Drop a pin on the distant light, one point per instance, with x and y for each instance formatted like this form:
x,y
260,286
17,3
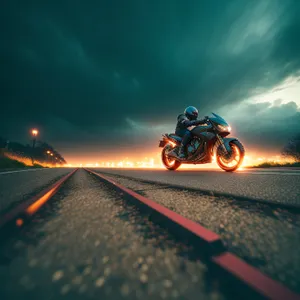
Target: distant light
x,y
34,132
19,222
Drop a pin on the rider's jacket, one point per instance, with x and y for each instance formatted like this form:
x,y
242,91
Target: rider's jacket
x,y
183,122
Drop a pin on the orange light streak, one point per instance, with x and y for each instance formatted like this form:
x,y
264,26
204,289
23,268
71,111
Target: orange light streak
x,y
40,202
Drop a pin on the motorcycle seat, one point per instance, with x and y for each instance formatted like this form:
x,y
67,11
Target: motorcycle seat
x,y
175,137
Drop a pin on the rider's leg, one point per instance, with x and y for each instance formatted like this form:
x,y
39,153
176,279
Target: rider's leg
x,y
183,147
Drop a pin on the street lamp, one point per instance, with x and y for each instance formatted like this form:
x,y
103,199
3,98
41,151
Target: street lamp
x,y
52,159
49,156
34,133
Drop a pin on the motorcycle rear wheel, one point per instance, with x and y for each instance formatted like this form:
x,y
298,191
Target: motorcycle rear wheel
x,y
236,159
169,163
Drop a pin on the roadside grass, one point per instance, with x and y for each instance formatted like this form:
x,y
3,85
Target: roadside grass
x,y
8,163
275,165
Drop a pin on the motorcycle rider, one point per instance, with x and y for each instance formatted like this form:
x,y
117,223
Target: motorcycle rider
x,y
184,121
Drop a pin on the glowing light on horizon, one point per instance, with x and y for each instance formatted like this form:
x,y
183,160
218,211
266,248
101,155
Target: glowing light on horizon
x,y
154,161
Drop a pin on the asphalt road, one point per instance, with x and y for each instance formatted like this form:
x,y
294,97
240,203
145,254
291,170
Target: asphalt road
x,y
87,244
280,186
264,236
18,185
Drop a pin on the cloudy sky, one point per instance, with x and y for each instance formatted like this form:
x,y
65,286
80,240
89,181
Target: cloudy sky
x,y
99,77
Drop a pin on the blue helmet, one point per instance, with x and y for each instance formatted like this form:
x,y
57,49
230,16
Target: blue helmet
x,y
191,112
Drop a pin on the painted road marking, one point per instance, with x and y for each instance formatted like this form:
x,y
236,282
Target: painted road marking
x,y
19,171
30,206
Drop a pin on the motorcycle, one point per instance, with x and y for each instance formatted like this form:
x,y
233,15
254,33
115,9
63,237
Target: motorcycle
x,y
209,140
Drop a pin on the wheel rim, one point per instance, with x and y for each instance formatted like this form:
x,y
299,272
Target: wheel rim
x,y
169,162
234,160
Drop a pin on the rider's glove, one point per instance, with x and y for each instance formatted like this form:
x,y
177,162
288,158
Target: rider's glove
x,y
200,122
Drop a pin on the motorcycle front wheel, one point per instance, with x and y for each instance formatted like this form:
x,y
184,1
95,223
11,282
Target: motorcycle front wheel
x,y
169,163
235,160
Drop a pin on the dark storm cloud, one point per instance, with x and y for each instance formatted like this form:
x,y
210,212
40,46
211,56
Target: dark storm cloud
x,y
110,69
265,126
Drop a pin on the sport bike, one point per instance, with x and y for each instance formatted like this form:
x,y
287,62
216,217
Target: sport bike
x,y
209,140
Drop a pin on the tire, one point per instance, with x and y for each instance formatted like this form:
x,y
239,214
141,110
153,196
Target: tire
x,y
233,144
170,165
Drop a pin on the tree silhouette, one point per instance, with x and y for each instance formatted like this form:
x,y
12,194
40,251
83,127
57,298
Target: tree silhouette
x,y
292,148
39,153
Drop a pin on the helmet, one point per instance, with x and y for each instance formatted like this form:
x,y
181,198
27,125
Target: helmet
x,y
191,113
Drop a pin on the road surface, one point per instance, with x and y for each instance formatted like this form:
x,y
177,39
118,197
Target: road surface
x,y
86,243
18,185
267,237
280,186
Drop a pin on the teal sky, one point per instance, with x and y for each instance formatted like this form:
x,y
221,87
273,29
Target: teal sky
x,y
103,76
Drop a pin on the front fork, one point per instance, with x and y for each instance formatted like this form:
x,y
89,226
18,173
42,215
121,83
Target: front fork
x,y
226,148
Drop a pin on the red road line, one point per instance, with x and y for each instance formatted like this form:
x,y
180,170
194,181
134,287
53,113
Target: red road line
x,y
245,273
205,235
253,277
31,205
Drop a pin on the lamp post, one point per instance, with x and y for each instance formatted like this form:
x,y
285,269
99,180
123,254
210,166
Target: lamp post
x,y
34,133
51,158
48,156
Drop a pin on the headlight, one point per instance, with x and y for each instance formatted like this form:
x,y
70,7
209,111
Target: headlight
x,y
224,128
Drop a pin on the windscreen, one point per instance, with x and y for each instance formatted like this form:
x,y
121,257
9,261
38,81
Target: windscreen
x,y
218,120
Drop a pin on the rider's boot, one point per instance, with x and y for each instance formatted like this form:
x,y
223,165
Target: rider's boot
x,y
183,147
182,152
